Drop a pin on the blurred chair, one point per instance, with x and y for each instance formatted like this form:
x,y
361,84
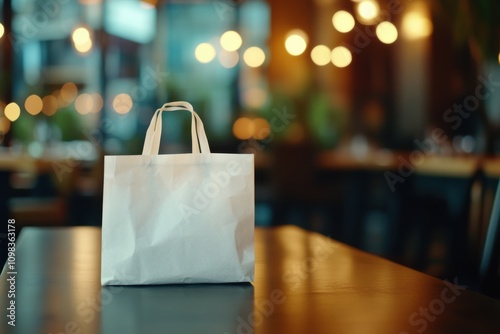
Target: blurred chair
x,y
475,208
489,270
482,258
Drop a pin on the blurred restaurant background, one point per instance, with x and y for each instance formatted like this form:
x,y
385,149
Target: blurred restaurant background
x,y
375,122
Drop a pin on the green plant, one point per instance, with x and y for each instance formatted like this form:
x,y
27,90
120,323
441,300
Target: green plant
x,y
476,23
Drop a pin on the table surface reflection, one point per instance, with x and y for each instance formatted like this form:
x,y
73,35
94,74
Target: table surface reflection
x,y
305,283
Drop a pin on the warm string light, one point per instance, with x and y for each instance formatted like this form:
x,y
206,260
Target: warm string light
x,y
228,59
4,125
245,128
204,53
416,23
387,32
321,55
12,111
89,103
228,56
50,104
367,11
341,56
254,56
343,21
122,103
33,104
296,42
82,40
231,41
69,91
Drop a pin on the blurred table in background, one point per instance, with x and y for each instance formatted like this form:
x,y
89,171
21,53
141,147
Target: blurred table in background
x,y
428,164
47,158
39,182
383,201
382,160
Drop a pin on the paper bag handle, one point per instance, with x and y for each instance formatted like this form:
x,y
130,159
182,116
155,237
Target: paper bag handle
x,y
153,134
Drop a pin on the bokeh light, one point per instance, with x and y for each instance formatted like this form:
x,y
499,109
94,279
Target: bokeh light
x,y
321,55
228,59
84,47
296,42
368,11
69,91
387,32
261,128
254,56
341,56
12,111
122,103
33,104
60,102
84,104
243,128
2,30
82,40
231,40
80,35
4,125
98,103
50,105
416,24
204,53
254,97
343,21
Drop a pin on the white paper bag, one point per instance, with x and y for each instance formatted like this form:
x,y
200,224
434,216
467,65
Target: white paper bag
x,y
178,218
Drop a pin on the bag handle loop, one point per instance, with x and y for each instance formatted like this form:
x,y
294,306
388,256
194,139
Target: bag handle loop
x,y
153,134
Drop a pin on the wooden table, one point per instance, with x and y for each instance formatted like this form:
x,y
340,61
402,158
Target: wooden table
x,y
305,283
